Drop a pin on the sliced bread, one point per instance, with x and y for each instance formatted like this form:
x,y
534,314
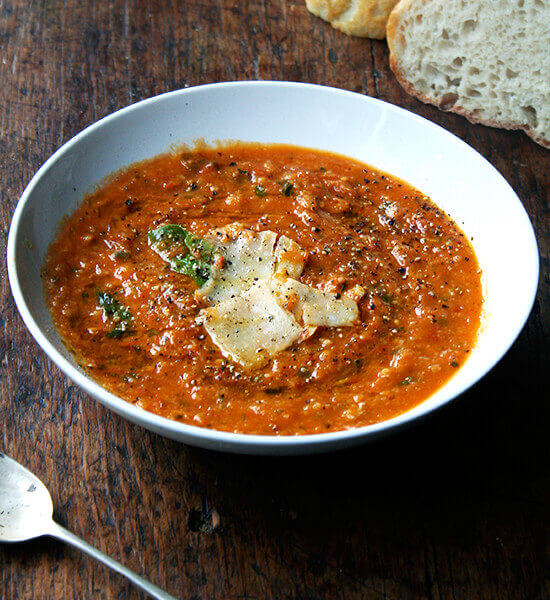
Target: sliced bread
x,y
488,60
363,18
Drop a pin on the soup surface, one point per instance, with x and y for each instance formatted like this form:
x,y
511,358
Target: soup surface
x,y
131,315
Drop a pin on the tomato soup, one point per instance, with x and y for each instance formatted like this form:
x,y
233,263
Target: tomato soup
x,y
363,243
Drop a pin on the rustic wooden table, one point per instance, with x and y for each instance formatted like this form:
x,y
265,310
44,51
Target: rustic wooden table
x,y
456,508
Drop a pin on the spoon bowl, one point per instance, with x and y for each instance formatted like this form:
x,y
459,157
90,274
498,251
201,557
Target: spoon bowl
x,y
25,504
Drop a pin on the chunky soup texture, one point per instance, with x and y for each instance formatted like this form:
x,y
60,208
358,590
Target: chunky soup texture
x,y
131,321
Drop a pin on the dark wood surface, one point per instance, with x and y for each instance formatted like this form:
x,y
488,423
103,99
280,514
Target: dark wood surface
x,y
456,508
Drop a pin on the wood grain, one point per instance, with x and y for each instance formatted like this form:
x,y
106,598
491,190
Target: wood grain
x,y
456,508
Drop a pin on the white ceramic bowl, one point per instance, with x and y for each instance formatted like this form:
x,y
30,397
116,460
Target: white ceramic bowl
x,y
456,177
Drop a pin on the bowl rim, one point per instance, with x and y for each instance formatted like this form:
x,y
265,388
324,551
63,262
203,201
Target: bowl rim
x,y
213,438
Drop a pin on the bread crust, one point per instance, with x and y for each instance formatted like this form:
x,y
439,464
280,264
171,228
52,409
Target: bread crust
x,y
361,18
392,27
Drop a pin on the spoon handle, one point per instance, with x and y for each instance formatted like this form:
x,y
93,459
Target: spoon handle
x,y
63,534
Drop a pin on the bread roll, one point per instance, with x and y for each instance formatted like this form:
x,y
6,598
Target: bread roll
x,y
363,18
486,60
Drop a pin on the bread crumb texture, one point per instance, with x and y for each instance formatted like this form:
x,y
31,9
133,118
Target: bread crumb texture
x,y
363,18
488,61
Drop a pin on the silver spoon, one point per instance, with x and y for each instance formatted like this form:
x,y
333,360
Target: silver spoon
x,y
26,511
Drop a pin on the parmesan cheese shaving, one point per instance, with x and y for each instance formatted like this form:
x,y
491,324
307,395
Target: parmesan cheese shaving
x,y
252,327
312,306
290,258
258,306
249,257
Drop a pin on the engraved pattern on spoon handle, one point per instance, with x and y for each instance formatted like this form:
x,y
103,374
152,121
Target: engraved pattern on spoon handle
x,y
63,534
